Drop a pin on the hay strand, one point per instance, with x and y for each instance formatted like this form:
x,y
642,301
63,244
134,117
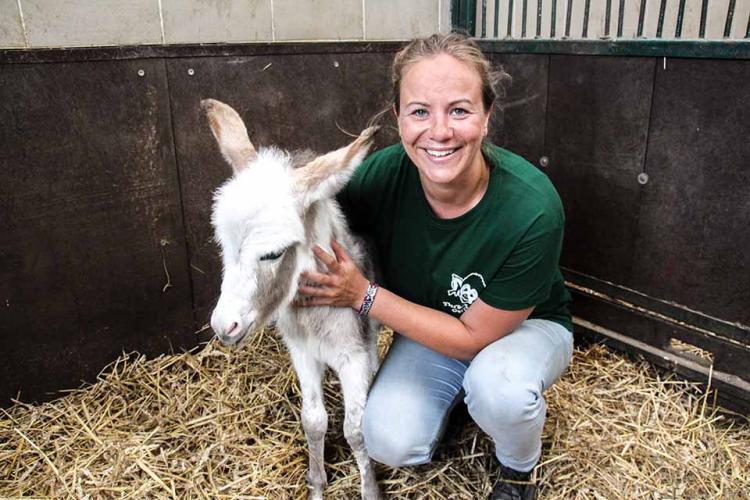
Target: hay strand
x,y
223,423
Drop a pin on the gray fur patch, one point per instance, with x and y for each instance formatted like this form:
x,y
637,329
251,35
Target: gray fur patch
x,y
273,286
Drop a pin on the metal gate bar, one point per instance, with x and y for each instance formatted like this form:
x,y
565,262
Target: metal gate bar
x,y
580,16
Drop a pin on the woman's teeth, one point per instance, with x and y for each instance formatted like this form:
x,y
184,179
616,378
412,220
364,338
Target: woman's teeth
x,y
439,154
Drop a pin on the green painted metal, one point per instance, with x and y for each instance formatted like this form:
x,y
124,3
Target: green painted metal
x,y
608,18
484,18
464,16
497,16
680,18
646,48
553,21
539,7
586,12
662,10
704,14
641,17
730,16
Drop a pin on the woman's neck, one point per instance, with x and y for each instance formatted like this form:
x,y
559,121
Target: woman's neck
x,y
449,201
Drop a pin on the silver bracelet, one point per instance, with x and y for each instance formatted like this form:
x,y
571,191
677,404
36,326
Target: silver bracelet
x,y
372,290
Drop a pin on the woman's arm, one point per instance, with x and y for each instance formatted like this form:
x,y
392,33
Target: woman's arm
x,y
462,338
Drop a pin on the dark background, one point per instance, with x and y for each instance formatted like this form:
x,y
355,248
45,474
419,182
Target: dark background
x,y
106,181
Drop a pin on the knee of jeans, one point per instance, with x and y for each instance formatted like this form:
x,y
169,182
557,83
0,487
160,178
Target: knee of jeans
x,y
395,440
494,396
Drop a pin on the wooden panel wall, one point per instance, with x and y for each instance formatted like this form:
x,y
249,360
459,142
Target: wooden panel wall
x,y
107,181
597,127
291,101
101,161
91,222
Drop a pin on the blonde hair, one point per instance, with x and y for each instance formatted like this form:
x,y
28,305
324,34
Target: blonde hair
x,y
463,48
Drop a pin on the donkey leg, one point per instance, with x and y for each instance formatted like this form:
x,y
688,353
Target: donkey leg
x,y
355,375
314,417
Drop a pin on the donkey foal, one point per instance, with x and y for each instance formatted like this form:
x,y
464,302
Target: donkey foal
x,y
267,218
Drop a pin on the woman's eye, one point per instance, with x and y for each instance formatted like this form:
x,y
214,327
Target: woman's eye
x,y
459,112
419,113
273,255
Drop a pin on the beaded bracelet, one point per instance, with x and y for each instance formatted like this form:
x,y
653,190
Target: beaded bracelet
x,y
372,290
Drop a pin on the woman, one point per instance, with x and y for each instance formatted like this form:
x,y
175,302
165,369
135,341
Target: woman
x,y
468,236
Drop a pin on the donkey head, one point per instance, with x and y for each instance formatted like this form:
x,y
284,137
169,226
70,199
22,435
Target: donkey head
x,y
258,218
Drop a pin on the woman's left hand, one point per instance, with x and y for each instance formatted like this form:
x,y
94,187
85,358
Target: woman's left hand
x,y
343,285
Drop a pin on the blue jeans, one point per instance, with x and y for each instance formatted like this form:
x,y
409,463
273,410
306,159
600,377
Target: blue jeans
x,y
416,388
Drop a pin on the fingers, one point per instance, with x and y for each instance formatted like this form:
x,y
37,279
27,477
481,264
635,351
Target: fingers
x,y
320,291
331,288
339,252
314,291
319,278
326,258
332,261
314,302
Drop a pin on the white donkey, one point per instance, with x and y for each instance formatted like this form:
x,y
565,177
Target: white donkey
x,y
267,218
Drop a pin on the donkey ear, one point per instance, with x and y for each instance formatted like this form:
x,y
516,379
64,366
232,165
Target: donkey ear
x,y
230,134
326,175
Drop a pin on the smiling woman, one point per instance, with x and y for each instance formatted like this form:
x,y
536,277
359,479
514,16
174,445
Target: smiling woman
x,y
468,236
442,123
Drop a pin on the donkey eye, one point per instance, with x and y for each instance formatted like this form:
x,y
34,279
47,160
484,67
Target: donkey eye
x,y
273,255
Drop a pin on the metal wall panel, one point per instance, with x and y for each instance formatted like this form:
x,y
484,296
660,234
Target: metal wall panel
x,y
291,101
90,222
694,241
597,124
519,118
90,188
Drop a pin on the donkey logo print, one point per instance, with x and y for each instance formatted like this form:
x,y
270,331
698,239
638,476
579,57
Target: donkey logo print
x,y
466,289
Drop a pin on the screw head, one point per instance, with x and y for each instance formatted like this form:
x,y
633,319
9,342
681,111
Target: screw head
x,y
335,64
642,178
544,162
191,71
141,72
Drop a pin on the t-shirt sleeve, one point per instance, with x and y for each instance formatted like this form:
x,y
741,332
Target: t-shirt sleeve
x,y
525,278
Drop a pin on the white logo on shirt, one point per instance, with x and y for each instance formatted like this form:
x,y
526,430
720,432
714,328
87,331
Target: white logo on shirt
x,y
463,289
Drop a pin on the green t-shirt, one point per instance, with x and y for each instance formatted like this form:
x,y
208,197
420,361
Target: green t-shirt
x,y
505,250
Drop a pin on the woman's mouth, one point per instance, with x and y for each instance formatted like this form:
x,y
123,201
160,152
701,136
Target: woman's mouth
x,y
440,153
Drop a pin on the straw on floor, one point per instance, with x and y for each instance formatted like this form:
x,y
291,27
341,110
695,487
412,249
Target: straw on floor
x,y
224,423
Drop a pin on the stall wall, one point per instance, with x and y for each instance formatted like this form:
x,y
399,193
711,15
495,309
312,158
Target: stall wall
x,y
83,23
108,168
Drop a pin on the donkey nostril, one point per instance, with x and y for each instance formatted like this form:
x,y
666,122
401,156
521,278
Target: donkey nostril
x,y
233,328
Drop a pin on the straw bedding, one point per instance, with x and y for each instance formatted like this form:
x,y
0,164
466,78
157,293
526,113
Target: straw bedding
x,y
223,423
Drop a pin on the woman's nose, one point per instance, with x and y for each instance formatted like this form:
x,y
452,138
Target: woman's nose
x,y
441,129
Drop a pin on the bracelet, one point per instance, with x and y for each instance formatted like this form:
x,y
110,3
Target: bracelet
x,y
372,290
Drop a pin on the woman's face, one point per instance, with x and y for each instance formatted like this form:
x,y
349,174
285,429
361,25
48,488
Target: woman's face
x,y
442,119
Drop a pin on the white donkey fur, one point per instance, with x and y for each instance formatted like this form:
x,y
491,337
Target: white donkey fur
x,y
267,218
